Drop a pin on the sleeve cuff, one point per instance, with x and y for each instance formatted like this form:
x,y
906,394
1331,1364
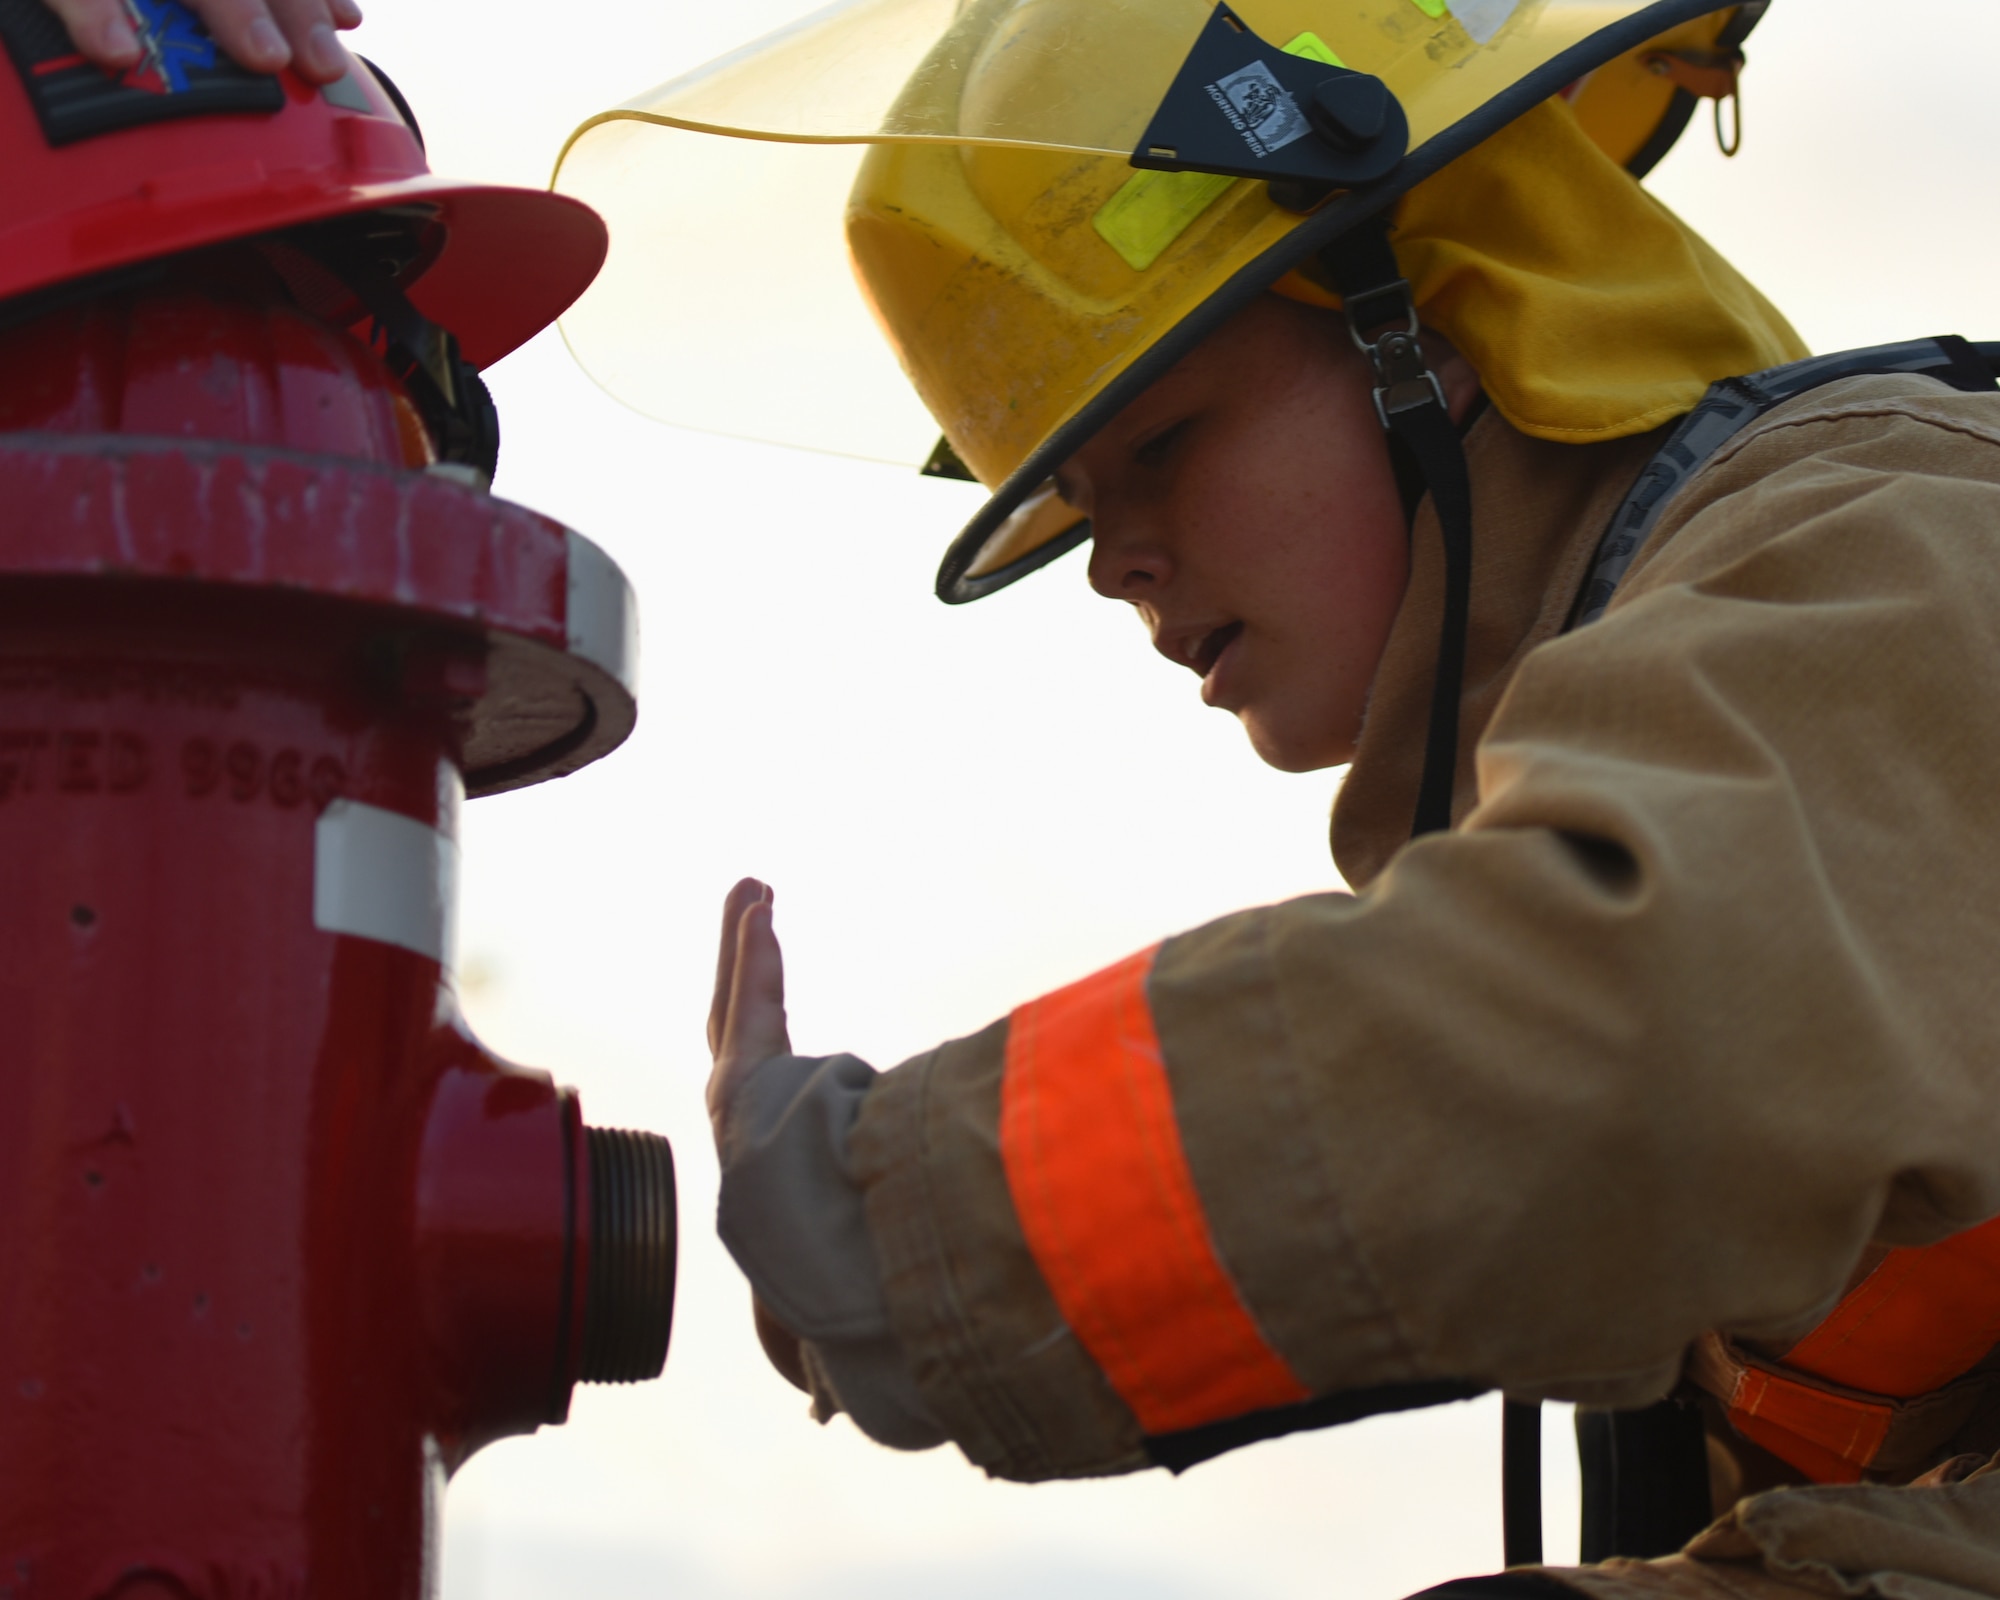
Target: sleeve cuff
x,y
793,1217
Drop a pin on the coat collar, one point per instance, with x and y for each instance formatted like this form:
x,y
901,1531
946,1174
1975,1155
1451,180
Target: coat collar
x,y
1538,511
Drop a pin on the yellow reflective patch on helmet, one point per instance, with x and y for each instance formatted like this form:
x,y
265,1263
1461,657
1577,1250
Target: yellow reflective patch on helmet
x,y
1153,209
1431,8
1314,48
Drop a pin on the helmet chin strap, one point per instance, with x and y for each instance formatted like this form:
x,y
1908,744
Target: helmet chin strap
x,y
336,271
1411,404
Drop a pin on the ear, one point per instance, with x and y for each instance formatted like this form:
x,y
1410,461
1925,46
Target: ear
x,y
1461,385
1458,377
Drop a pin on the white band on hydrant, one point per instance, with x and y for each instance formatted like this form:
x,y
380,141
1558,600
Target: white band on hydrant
x,y
381,875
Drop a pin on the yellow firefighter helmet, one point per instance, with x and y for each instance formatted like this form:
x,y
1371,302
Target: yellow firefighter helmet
x,y
1054,200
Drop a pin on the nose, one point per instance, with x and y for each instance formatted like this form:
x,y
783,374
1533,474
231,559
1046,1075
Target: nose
x,y
1126,562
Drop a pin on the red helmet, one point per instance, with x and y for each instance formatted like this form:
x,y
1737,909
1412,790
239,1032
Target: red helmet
x,y
188,150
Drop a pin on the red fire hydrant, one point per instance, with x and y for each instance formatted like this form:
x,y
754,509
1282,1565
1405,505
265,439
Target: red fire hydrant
x,y
280,1243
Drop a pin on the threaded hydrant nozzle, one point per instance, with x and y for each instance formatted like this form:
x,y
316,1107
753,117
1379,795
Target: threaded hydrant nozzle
x,y
629,1302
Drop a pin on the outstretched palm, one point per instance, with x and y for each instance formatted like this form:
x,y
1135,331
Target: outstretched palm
x,y
746,1025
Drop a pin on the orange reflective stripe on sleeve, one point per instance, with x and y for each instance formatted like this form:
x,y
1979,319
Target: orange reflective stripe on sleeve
x,y
1108,1205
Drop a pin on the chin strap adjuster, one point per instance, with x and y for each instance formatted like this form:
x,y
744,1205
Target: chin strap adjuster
x,y
1409,400
1403,378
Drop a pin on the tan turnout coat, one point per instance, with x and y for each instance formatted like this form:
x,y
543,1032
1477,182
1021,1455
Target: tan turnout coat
x,y
1699,1001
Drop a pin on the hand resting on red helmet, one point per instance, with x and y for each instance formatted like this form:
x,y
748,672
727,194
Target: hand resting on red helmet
x,y
265,35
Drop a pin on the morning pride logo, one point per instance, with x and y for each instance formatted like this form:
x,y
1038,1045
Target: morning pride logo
x,y
1259,108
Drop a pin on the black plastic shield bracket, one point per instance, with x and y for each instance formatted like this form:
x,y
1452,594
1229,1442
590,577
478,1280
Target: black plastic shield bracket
x,y
1243,108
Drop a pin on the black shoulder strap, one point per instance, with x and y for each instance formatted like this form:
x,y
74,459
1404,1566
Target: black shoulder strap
x,y
1731,406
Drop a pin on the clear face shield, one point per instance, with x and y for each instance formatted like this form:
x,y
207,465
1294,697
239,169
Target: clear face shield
x,y
995,133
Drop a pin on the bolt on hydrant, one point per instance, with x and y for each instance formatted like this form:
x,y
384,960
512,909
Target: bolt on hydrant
x,y
281,1244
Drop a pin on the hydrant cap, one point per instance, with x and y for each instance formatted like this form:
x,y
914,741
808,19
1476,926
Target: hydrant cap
x,y
188,149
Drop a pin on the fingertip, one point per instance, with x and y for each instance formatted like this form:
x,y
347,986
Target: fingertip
x,y
321,55
264,48
117,44
346,14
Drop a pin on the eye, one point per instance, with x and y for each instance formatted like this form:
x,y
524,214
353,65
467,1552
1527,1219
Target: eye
x,y
1159,447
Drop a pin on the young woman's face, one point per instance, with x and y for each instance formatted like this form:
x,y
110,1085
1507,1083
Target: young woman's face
x,y
1245,506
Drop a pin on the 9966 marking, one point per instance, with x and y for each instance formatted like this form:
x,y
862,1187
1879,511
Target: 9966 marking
x,y
241,770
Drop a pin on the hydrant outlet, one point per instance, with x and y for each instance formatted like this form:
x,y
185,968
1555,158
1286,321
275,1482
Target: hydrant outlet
x,y
629,1303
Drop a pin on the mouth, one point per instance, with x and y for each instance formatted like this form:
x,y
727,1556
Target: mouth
x,y
1208,649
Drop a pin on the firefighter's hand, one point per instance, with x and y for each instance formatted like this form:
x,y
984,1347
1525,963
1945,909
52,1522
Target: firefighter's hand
x,y
781,1346
263,35
746,1023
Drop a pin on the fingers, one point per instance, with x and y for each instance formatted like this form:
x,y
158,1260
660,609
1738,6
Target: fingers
x,y
755,1029
308,27
267,37
739,899
264,37
780,1344
100,30
246,30
747,1020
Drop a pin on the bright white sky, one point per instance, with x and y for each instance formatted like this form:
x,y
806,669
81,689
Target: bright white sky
x,y
961,809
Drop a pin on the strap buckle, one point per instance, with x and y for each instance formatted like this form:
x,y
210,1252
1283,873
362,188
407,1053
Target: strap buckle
x,y
1403,378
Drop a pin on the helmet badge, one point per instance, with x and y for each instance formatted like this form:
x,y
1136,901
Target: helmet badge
x,y
180,72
